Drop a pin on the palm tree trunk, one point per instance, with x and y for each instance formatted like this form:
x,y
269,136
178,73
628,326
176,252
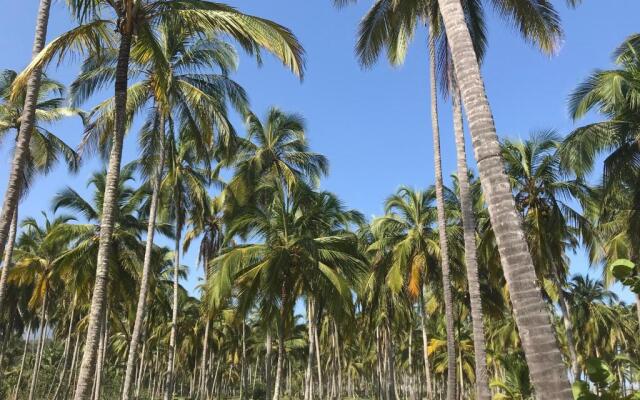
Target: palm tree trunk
x,y
72,370
24,356
27,123
43,325
548,374
267,363
442,223
281,350
67,346
308,395
568,326
146,271
168,388
470,256
8,253
205,353
243,363
141,372
316,343
87,366
425,346
102,347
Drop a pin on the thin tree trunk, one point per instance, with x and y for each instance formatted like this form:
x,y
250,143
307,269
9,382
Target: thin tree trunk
x,y
72,370
568,326
168,388
316,343
470,256
24,356
8,252
142,370
425,345
67,346
87,366
146,271
205,352
281,352
548,373
267,363
308,395
27,124
43,325
442,223
101,354
243,363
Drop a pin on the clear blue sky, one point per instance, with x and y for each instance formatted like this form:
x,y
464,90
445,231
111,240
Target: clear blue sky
x,y
373,125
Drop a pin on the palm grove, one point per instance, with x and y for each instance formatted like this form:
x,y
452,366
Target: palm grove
x,y
455,292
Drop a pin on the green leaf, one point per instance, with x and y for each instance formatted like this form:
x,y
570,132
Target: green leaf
x,y
599,372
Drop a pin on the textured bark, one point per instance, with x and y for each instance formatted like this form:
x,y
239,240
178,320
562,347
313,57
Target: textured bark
x,y
425,345
548,373
442,223
204,367
27,123
470,256
43,325
146,271
168,388
109,207
8,253
102,348
281,352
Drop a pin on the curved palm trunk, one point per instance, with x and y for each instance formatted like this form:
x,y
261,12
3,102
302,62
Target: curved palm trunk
x,y
168,387
87,366
27,123
8,253
43,325
146,270
470,257
442,224
548,374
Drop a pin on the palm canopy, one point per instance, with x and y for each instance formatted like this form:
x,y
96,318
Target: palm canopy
x,y
615,94
45,148
172,81
98,19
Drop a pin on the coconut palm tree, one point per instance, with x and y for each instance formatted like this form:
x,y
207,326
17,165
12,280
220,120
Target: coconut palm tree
x,y
134,21
21,153
45,148
541,349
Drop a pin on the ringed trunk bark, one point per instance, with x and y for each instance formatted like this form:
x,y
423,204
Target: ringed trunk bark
x,y
548,373
87,366
470,256
27,123
442,223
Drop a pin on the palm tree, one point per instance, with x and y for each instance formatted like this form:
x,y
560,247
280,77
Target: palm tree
x,y
45,148
541,349
390,25
133,21
21,152
173,83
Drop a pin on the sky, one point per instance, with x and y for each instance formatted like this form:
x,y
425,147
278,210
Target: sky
x,y
373,124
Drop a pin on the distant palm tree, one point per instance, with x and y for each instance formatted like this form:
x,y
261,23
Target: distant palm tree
x,y
45,148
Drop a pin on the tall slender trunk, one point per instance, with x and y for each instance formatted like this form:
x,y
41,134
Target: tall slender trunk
x,y
168,388
267,363
425,345
8,253
109,207
142,371
442,222
102,348
470,256
243,363
72,370
24,357
67,346
308,395
548,373
27,123
281,352
316,342
43,326
568,327
146,271
205,352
